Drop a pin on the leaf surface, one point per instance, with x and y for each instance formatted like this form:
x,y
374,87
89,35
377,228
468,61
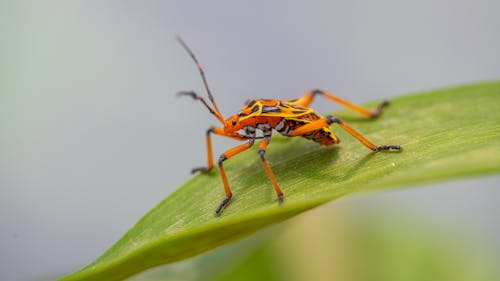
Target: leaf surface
x,y
446,134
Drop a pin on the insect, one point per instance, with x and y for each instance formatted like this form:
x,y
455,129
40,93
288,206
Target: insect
x,y
258,119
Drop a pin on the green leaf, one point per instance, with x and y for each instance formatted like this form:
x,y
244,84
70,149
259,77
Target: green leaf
x,y
446,134
367,238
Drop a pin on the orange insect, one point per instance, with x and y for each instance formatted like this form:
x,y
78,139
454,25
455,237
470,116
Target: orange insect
x,y
260,117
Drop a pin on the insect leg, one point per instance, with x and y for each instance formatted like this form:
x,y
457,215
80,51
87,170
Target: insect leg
x,y
226,155
217,131
363,140
324,122
310,127
209,153
307,99
262,152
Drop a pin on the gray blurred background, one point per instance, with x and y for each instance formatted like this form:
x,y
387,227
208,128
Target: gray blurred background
x,y
92,135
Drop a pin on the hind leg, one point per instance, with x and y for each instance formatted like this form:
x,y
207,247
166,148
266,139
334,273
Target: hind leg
x,y
325,122
308,98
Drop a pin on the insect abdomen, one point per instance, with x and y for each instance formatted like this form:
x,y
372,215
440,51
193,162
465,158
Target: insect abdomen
x,y
323,136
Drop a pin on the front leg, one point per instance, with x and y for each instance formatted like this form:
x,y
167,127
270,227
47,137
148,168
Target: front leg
x,y
226,155
217,131
209,154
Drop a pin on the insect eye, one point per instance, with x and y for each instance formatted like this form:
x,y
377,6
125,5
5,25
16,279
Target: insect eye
x,y
233,122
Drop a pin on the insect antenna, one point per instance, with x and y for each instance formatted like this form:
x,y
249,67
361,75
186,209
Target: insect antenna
x,y
215,111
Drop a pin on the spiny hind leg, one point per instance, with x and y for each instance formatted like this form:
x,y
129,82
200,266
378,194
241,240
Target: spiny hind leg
x,y
262,152
308,98
325,122
330,120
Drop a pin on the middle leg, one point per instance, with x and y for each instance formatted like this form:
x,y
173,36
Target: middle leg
x,y
262,152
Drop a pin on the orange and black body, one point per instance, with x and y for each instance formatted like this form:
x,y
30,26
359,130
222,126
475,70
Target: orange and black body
x,y
260,117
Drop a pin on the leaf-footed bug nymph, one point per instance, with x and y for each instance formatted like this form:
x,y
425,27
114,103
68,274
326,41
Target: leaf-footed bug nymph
x,y
291,118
